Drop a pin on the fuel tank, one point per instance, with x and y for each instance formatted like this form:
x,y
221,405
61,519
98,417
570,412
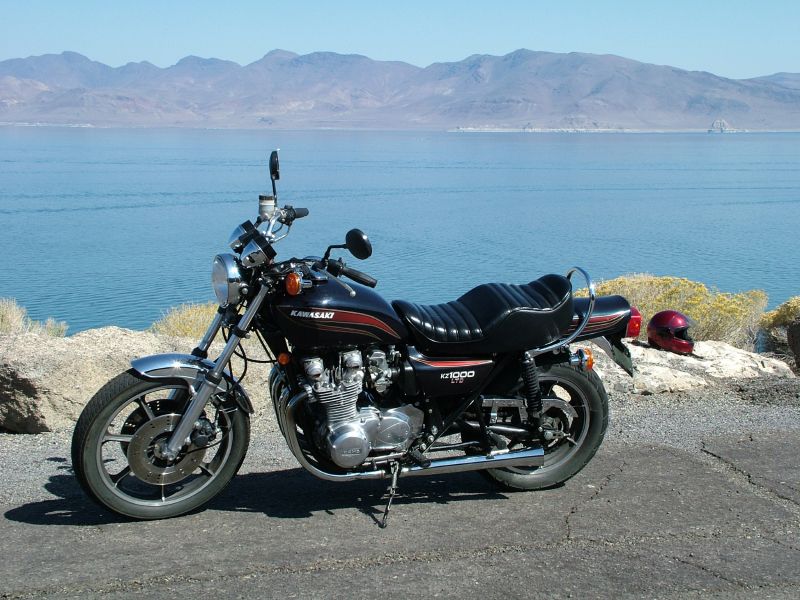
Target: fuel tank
x,y
326,315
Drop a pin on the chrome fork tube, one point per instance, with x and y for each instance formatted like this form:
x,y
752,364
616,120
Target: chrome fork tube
x,y
211,380
211,332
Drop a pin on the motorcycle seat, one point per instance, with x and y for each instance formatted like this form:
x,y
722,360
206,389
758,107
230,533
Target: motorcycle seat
x,y
492,318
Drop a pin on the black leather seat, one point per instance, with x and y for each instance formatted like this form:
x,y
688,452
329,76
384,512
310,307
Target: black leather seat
x,y
493,317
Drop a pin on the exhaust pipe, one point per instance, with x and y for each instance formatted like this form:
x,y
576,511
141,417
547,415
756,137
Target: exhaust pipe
x,y
531,457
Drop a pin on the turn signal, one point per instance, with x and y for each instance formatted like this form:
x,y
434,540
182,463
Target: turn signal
x,y
635,324
284,358
294,284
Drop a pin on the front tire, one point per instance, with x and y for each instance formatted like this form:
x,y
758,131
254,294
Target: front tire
x,y
584,391
114,441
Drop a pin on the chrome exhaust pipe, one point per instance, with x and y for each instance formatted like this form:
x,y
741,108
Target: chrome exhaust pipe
x,y
531,457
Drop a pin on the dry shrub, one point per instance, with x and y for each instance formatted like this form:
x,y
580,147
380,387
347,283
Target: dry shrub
x,y
731,318
783,315
185,320
14,319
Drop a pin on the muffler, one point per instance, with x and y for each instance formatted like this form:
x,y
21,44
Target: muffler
x,y
530,457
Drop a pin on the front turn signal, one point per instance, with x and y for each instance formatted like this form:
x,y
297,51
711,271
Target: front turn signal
x,y
294,284
284,358
588,363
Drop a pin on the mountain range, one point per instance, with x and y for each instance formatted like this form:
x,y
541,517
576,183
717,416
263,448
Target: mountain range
x,y
521,90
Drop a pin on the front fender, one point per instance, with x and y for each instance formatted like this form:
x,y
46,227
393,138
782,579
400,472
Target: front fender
x,y
191,369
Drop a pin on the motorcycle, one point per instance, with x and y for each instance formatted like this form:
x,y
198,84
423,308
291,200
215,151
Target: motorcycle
x,y
362,388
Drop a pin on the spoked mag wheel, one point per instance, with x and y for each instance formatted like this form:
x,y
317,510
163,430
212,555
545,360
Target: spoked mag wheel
x,y
115,450
577,414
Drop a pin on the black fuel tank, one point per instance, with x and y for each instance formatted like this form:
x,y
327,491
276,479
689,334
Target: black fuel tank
x,y
327,316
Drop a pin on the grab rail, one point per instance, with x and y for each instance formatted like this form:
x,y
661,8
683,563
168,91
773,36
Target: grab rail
x,y
592,297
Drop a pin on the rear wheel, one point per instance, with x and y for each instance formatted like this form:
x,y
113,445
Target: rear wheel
x,y
115,449
578,416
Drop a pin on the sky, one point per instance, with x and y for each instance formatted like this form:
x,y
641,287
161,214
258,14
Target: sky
x,y
737,39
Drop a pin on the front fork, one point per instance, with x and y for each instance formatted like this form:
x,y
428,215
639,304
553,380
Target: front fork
x,y
180,437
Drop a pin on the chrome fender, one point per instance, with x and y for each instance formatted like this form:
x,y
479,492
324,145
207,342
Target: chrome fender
x,y
191,369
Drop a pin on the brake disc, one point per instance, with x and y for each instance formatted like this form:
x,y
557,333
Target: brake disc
x,y
147,466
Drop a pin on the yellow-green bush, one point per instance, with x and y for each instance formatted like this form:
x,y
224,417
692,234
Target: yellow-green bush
x,y
783,315
185,320
14,319
731,318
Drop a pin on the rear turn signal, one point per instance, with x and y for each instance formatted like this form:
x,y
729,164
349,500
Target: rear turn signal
x,y
635,324
284,358
294,284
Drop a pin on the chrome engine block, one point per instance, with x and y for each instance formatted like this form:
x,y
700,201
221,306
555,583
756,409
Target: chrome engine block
x,y
349,433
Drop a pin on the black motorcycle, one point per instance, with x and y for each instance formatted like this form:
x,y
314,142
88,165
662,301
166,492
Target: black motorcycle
x,y
362,389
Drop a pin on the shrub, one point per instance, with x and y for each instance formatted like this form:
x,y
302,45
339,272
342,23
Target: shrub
x,y
185,320
783,315
731,318
14,319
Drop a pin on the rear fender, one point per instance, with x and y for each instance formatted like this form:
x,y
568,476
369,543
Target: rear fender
x,y
190,369
619,353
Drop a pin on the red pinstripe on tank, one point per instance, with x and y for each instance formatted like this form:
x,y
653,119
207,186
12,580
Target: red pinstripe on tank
x,y
446,364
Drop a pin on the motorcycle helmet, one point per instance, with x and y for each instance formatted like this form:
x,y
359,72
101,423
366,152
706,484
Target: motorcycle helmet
x,y
669,330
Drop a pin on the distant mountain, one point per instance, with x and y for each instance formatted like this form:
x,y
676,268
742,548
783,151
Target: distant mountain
x,y
521,90
788,80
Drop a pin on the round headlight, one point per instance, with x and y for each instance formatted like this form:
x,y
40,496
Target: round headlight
x,y
226,278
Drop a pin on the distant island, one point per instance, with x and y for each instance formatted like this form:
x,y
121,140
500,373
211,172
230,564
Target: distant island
x,y
521,91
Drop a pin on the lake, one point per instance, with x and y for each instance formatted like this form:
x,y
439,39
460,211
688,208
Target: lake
x,y
105,226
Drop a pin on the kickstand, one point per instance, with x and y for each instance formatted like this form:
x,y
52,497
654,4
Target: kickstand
x,y
395,468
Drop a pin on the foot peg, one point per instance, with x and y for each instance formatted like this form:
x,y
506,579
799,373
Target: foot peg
x,y
419,459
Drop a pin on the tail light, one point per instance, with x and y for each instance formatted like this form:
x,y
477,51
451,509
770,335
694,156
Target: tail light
x,y
635,324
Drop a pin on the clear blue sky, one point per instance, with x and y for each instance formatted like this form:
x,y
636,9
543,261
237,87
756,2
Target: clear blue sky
x,y
734,38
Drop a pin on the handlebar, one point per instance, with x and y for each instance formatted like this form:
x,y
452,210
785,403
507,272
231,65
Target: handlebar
x,y
337,267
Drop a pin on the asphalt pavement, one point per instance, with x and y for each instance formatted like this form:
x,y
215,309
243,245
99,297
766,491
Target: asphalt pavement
x,y
719,517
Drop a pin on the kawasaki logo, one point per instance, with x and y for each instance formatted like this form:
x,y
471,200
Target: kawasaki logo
x,y
316,314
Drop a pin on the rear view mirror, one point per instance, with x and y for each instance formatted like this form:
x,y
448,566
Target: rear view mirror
x,y
274,166
358,244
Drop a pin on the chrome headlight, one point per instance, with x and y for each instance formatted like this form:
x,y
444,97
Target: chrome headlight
x,y
226,278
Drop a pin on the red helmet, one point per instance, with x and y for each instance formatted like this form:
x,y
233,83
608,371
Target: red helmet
x,y
669,330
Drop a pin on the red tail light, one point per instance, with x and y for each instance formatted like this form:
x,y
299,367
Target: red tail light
x,y
635,324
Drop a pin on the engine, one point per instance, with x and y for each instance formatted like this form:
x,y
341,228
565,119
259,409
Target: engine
x,y
352,424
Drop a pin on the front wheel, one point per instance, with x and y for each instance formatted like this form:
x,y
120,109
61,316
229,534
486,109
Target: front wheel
x,y
115,448
579,413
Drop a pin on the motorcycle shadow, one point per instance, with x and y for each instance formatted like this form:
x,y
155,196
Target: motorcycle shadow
x,y
287,494
295,494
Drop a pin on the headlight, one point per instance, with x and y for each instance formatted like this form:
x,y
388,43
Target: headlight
x,y
226,278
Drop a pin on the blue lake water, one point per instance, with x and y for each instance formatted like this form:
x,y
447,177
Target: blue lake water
x,y
105,227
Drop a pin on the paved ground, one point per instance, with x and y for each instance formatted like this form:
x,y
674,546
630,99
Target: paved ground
x,y
716,516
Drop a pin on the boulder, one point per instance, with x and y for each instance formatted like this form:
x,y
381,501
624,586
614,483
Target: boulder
x,y
793,339
45,382
659,371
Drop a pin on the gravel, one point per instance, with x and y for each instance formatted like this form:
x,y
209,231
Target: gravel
x,y
37,467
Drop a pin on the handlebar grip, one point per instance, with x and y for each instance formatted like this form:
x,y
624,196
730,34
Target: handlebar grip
x,y
291,213
359,277
299,213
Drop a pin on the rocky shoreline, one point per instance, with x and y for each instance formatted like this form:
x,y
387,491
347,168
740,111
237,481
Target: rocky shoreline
x,y
45,382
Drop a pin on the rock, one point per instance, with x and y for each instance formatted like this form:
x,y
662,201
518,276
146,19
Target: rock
x,y
793,339
45,382
659,371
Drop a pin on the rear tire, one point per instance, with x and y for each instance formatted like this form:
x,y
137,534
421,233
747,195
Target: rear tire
x,y
112,449
588,397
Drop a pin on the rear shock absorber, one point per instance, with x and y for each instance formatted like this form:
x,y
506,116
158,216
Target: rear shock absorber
x,y
533,393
